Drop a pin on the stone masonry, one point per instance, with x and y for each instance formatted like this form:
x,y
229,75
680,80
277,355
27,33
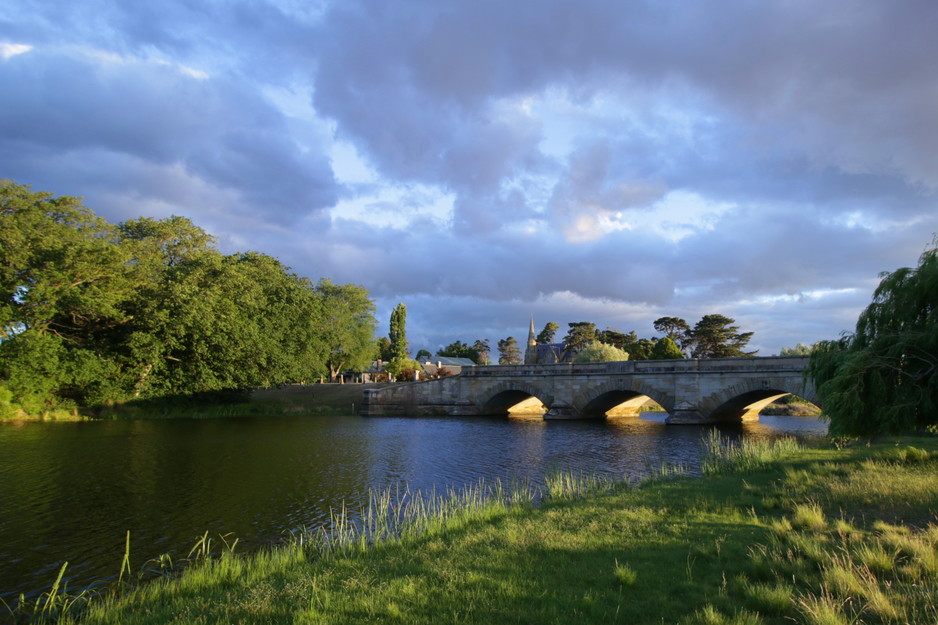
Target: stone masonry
x,y
691,391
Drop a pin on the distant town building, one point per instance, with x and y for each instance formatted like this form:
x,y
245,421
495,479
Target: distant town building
x,y
446,365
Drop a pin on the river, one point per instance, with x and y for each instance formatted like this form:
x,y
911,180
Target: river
x,y
71,491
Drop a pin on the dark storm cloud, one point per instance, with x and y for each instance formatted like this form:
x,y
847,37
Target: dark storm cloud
x,y
70,102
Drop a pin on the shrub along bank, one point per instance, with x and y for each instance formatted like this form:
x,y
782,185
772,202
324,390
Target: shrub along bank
x,y
770,535
285,400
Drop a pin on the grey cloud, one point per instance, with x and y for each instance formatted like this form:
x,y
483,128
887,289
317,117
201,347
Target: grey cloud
x,y
218,129
826,86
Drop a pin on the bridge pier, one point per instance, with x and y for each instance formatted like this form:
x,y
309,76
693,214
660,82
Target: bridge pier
x,y
686,413
561,410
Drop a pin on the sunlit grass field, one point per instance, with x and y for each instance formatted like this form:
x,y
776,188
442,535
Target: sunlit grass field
x,y
773,533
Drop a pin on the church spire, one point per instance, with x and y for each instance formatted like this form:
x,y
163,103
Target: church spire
x,y
530,353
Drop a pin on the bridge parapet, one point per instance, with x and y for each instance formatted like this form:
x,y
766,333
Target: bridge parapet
x,y
681,365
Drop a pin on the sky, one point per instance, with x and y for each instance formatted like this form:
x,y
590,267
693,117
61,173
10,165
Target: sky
x,y
488,161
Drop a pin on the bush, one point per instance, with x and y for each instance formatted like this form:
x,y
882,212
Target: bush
x,y
601,352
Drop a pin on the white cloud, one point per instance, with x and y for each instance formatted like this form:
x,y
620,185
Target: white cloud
x,y
9,50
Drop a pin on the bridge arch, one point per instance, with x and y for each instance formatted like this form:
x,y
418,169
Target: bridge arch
x,y
515,396
615,399
745,400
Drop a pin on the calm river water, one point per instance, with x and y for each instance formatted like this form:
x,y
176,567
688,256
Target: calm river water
x,y
70,491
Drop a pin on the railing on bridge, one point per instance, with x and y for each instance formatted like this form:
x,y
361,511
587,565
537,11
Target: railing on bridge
x,y
708,365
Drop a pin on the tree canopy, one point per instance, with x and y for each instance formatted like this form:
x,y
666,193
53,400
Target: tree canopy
x,y
580,334
482,349
601,352
398,332
715,336
665,349
94,313
881,378
798,350
546,336
509,352
348,326
458,349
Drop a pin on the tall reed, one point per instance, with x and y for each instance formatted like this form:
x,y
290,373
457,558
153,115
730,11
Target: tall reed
x,y
395,513
567,485
49,606
724,455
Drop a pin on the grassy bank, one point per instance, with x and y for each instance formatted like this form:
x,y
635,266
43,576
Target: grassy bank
x,y
293,399
289,399
771,534
312,398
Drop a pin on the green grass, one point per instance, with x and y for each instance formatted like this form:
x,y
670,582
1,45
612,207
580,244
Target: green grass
x,y
725,456
771,535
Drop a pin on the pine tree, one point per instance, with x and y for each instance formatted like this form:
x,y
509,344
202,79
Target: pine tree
x,y
714,336
509,353
547,334
580,334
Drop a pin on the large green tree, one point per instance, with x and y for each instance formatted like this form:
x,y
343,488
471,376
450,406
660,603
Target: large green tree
x,y
509,352
482,349
615,338
384,349
63,281
579,335
60,266
546,335
236,321
675,329
715,336
881,378
348,326
92,313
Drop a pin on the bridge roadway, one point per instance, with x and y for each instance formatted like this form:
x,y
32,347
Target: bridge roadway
x,y
717,390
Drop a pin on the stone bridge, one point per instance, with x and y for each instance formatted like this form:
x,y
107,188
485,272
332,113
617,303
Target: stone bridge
x,y
716,390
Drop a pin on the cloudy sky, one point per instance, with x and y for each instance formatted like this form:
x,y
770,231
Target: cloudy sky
x,y
483,160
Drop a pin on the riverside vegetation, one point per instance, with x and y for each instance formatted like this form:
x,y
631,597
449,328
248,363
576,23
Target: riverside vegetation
x,y
147,312
772,533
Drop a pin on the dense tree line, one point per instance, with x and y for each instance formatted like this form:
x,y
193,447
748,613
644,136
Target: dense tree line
x,y
714,336
94,313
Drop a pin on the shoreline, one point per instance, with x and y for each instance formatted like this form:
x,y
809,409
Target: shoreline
x,y
285,400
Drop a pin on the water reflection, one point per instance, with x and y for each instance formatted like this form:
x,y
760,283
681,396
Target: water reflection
x,y
72,490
